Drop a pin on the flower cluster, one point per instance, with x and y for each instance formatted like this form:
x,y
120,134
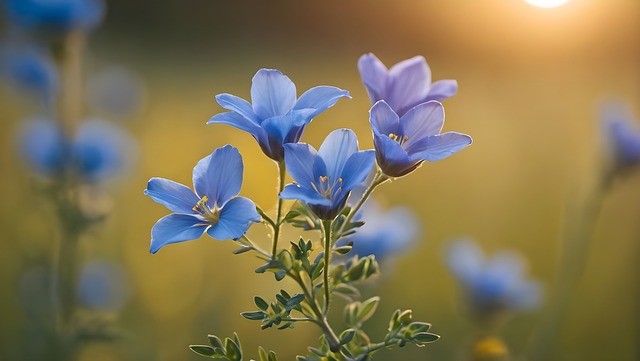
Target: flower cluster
x,y
331,185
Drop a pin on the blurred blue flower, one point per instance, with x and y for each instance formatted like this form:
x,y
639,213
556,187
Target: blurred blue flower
x,y
493,284
405,85
275,116
116,91
56,14
98,151
214,206
384,233
29,70
103,286
325,178
622,133
403,143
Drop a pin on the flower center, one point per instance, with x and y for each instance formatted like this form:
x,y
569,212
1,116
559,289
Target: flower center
x,y
325,188
398,138
203,209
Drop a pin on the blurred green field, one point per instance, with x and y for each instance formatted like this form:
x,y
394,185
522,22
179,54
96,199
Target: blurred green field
x,y
529,84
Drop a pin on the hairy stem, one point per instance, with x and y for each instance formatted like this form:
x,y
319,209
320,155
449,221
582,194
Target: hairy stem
x,y
282,169
326,232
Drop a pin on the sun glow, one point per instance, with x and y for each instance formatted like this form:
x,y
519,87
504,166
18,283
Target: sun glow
x,y
546,3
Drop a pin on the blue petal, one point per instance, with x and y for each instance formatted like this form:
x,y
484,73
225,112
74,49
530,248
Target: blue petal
x,y
392,159
235,218
336,149
526,295
422,121
383,119
442,89
42,144
440,146
272,93
238,105
175,196
374,76
320,99
219,176
357,169
101,150
304,194
299,159
409,82
235,120
465,260
176,228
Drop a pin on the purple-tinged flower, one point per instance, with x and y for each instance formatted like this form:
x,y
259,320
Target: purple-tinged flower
x,y
29,70
102,286
384,233
325,178
405,85
214,207
55,14
493,284
99,150
403,143
622,134
275,116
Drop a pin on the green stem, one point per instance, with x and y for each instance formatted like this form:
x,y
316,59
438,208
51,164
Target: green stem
x,y
256,248
282,168
572,263
378,179
326,232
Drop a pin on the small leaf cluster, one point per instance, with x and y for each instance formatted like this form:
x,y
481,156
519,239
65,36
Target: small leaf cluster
x,y
295,262
402,330
231,350
277,312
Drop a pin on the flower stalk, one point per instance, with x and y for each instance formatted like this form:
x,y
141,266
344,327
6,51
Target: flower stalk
x,y
282,170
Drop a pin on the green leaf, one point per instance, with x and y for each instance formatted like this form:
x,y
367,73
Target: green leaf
x,y
346,336
343,249
367,309
242,249
424,337
272,356
261,303
203,350
262,354
417,327
296,299
280,275
254,316
233,350
215,341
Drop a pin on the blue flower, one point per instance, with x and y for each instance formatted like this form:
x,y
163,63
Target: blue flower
x,y
29,70
325,178
622,134
98,151
493,284
275,116
102,286
405,85
214,206
384,233
403,143
58,14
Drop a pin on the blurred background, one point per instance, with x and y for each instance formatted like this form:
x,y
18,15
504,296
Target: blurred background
x,y
530,83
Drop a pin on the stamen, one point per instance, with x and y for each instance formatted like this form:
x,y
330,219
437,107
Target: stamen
x,y
211,215
399,139
325,188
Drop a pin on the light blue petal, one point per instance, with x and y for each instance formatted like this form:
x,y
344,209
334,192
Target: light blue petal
x,y
219,176
235,218
465,260
357,169
176,228
336,149
525,296
299,159
235,120
238,105
392,159
409,82
440,146
272,93
42,145
442,89
175,196
422,121
383,119
374,76
304,194
101,150
320,99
